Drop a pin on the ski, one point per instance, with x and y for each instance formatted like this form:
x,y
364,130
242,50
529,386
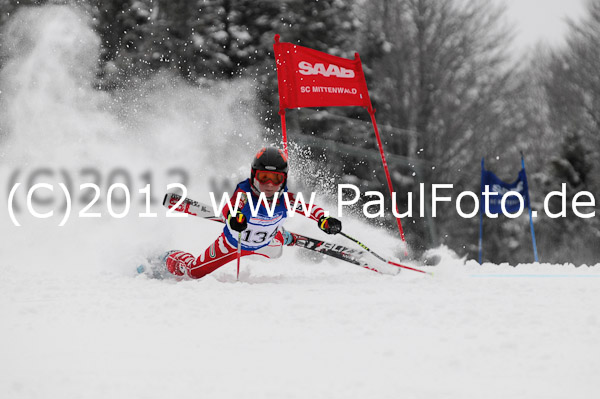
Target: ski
x,y
177,203
337,251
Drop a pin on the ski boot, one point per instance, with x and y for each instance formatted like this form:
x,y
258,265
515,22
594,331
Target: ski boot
x,y
156,266
289,239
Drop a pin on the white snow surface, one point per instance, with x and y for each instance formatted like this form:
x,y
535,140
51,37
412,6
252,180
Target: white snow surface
x,y
291,329
76,321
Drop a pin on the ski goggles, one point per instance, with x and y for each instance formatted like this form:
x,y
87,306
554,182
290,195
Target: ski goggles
x,y
265,176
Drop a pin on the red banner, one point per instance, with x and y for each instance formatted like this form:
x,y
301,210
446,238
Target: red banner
x,y
311,78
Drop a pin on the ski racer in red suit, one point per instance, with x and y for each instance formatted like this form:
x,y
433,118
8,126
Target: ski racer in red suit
x,y
261,234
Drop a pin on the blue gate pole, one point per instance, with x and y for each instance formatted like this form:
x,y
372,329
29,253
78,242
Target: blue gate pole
x,y
481,205
535,254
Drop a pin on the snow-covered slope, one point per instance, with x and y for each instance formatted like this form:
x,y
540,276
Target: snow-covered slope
x,y
294,329
77,322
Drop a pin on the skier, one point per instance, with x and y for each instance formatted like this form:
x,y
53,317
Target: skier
x,y
261,234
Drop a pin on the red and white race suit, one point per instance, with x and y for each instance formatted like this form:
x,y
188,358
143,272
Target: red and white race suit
x,y
262,237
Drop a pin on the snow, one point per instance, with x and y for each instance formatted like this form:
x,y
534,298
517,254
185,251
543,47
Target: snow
x,y
78,322
292,329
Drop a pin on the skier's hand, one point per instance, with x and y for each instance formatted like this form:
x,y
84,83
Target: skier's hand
x,y
330,225
237,222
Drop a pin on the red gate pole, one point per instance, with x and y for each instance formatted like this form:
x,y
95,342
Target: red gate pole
x,y
387,174
371,110
283,131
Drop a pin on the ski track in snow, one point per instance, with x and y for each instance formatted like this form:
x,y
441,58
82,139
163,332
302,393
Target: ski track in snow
x,y
77,322
291,329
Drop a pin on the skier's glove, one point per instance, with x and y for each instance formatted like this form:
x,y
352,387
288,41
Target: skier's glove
x,y
330,225
237,222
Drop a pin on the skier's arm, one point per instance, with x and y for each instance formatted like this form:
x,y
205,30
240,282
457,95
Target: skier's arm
x,y
328,224
315,212
241,206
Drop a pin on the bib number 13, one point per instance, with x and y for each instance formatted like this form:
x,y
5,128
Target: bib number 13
x,y
257,237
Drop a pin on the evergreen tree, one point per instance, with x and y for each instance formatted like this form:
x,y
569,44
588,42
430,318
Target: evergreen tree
x,y
443,77
573,93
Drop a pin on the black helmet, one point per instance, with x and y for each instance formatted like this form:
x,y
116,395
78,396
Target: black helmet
x,y
270,159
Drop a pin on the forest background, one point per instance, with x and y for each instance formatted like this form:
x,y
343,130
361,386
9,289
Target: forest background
x,y
444,79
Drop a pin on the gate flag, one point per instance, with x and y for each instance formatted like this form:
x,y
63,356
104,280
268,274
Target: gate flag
x,y
512,204
311,78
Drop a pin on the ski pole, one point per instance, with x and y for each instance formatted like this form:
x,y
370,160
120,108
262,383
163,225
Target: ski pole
x,y
239,255
240,218
381,257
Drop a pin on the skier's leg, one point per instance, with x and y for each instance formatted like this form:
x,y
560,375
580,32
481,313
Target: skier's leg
x,y
218,254
275,247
